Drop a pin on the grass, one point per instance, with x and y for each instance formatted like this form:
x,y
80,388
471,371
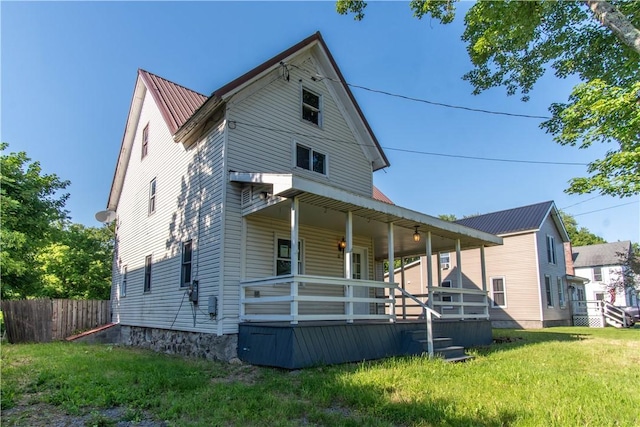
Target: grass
x,y
550,377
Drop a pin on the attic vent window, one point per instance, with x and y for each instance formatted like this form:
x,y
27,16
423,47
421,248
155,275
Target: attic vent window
x,y
245,196
311,107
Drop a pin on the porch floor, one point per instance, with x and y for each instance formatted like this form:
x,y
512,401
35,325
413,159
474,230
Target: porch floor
x,y
283,345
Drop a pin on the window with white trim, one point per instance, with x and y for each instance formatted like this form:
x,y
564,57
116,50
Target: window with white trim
x,y
551,249
311,107
547,288
561,301
283,257
152,196
145,142
311,160
148,262
123,282
445,260
498,292
185,271
597,274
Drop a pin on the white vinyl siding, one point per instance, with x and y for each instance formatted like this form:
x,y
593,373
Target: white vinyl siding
x,y
182,194
269,126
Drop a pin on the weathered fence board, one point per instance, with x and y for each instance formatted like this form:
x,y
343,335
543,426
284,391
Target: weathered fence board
x,y
44,320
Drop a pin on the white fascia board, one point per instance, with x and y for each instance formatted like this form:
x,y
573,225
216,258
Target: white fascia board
x,y
127,142
280,182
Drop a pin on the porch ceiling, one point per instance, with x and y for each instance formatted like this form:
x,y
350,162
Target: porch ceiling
x,y
326,207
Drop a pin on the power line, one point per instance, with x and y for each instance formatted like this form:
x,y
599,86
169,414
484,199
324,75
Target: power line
x,y
579,203
604,209
421,100
403,150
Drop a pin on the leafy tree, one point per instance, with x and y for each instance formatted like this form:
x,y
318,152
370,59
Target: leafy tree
x,y
513,43
448,217
78,264
579,236
30,202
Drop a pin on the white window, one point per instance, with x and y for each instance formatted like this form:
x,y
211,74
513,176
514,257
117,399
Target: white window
x,y
551,249
187,255
597,274
145,141
152,196
283,257
123,282
311,160
498,292
547,288
561,301
445,261
311,107
148,262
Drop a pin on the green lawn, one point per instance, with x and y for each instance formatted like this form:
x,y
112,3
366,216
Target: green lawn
x,y
551,377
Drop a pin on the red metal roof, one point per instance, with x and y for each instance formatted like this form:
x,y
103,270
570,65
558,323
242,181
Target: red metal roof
x,y
380,196
176,103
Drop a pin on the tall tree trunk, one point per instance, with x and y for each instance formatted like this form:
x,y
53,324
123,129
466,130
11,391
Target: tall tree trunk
x,y
613,19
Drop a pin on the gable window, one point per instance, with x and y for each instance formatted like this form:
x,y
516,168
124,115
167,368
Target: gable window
x,y
551,249
187,255
445,261
597,274
148,261
283,257
152,196
145,141
311,160
498,297
547,288
123,282
311,107
561,301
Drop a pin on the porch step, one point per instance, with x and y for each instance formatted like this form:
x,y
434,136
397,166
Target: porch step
x,y
443,347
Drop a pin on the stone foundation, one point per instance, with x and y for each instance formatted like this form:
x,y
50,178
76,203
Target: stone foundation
x,y
191,344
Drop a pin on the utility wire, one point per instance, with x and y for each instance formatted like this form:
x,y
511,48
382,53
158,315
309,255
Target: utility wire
x,y
424,101
579,203
604,209
427,153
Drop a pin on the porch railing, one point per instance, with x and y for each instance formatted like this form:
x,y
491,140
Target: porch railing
x,y
287,289
450,303
601,310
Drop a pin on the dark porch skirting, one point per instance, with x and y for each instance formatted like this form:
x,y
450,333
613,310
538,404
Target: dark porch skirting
x,y
306,344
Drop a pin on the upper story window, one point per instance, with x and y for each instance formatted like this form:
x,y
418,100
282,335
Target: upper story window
x,y
445,260
311,160
597,274
145,141
311,107
152,196
551,249
187,255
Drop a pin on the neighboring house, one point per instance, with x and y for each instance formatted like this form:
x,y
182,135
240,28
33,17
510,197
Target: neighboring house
x,y
215,196
526,277
602,265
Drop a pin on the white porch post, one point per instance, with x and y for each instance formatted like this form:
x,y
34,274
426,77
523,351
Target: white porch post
x,y
402,285
459,274
430,271
295,209
348,255
392,292
430,301
483,269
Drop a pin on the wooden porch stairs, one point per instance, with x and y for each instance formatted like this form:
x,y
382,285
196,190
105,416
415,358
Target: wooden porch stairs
x,y
415,342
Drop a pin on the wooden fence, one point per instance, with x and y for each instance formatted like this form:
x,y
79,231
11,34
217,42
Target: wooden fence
x,y
44,320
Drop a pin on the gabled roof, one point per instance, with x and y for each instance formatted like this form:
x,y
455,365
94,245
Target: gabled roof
x,y
380,196
600,255
176,103
524,218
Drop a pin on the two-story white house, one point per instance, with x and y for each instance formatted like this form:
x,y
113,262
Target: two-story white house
x,y
248,224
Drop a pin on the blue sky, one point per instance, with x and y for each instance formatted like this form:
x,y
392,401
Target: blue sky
x,y
69,68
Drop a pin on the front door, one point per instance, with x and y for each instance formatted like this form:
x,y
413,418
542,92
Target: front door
x,y
359,270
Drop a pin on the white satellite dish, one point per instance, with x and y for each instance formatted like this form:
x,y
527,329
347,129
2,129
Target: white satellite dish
x,y
106,216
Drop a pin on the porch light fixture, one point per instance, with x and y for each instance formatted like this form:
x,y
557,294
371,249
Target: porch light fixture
x,y
341,245
416,235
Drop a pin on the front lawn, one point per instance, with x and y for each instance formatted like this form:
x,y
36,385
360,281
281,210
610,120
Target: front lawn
x,y
556,376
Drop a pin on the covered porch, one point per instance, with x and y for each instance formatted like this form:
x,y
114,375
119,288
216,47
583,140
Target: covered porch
x,y
341,241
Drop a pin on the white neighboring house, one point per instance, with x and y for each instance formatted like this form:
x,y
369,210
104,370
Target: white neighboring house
x,y
215,196
601,264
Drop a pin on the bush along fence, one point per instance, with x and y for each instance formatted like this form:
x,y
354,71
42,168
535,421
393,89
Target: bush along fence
x,y
44,320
